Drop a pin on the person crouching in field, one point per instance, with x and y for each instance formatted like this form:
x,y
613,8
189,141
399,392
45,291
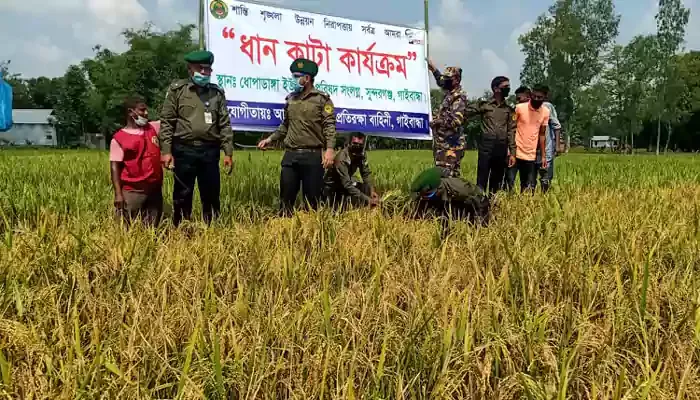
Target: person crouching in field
x,y
137,175
341,188
440,195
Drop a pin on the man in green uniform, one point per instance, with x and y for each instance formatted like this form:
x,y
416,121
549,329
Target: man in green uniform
x,y
308,134
194,127
447,197
497,135
341,188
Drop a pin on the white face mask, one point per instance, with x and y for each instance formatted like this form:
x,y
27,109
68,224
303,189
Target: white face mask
x,y
141,121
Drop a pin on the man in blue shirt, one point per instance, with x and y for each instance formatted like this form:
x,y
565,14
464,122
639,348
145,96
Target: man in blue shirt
x,y
553,145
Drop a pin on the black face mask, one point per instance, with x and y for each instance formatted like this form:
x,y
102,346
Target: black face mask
x,y
505,92
356,149
446,83
536,103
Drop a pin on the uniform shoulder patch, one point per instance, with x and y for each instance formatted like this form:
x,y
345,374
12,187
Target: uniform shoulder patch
x,y
178,84
328,109
217,88
323,94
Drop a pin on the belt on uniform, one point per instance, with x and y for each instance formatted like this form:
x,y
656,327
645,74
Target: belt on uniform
x,y
196,143
305,150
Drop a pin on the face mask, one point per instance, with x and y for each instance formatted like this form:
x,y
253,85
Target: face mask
x,y
430,195
505,92
356,149
297,86
200,79
536,103
446,83
141,121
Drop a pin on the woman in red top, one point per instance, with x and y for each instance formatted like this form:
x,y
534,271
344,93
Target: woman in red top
x,y
134,156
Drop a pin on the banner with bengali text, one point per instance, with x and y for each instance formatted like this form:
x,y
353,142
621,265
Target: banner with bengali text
x,y
376,74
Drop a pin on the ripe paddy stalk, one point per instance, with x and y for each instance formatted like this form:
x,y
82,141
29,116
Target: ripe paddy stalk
x,y
589,292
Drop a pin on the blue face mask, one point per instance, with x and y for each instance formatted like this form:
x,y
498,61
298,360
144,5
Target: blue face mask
x,y
296,86
200,79
430,195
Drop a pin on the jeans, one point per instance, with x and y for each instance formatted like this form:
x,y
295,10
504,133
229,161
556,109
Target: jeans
x,y
303,169
546,176
511,173
528,174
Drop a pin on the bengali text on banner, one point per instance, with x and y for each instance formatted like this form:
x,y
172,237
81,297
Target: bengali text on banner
x,y
375,74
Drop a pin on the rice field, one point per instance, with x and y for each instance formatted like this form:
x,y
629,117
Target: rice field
x,y
589,292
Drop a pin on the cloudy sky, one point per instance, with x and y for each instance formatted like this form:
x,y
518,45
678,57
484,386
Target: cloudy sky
x,y
43,37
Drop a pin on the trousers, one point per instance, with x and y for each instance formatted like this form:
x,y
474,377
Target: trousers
x,y
528,174
301,169
146,206
492,163
200,164
546,176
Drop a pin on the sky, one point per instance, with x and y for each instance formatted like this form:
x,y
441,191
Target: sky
x,y
44,37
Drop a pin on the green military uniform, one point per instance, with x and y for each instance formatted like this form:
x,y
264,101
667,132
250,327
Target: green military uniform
x,y
451,197
341,187
497,140
195,127
307,130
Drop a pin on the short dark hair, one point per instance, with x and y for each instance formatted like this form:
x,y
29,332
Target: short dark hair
x,y
131,102
540,88
496,82
522,89
353,135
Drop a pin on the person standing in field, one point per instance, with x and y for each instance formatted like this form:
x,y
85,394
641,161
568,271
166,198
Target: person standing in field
x,y
341,188
195,127
134,157
448,133
531,119
553,144
497,135
522,95
308,133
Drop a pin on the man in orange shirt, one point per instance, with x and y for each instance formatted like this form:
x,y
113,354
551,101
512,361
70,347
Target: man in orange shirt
x,y
531,125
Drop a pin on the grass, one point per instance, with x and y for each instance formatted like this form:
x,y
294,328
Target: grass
x,y
589,292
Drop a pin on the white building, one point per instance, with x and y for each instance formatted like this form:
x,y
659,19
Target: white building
x,y
604,142
30,128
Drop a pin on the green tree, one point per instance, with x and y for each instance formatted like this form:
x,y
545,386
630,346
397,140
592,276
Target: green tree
x,y
565,48
592,114
72,114
630,83
671,21
43,91
687,67
152,61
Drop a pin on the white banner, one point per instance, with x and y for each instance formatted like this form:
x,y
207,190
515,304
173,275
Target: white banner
x,y
376,74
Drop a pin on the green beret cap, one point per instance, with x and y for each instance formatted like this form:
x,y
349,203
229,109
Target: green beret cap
x,y
427,180
304,66
200,57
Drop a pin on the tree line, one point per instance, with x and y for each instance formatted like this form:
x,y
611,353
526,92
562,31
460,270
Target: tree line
x,y
646,92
